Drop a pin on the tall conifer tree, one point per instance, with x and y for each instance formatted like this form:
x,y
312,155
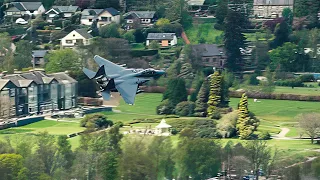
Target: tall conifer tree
x,y
214,94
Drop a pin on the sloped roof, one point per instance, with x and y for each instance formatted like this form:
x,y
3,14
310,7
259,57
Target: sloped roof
x,y
112,11
62,77
208,50
84,33
25,79
25,6
163,124
3,83
24,82
161,36
64,9
39,53
142,14
91,12
273,2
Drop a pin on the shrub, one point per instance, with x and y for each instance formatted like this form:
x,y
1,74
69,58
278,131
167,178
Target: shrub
x,y
97,120
227,125
139,53
290,83
307,78
185,108
166,107
218,26
264,135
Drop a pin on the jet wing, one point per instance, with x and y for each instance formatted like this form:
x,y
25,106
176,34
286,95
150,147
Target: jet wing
x,y
110,67
128,91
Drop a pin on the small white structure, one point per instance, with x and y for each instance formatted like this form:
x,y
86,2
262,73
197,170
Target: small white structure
x,y
163,129
164,39
104,16
19,9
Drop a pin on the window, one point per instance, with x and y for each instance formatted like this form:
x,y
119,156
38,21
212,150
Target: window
x,y
207,60
90,20
104,18
69,41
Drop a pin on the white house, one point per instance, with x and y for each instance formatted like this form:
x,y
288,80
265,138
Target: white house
x,y
164,39
19,9
62,11
75,38
103,16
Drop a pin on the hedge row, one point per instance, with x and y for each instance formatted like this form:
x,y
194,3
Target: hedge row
x,y
139,53
260,95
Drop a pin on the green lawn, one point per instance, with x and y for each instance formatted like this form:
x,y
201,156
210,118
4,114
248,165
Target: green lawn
x,y
203,31
298,90
137,46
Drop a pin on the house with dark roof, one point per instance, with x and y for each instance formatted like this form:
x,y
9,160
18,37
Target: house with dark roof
x,y
61,12
38,58
210,55
164,39
102,16
270,8
22,9
35,92
135,19
75,38
7,99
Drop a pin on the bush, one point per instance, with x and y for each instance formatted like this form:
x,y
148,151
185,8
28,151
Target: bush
x,y
227,125
139,53
218,26
97,120
185,108
307,78
290,83
166,107
264,136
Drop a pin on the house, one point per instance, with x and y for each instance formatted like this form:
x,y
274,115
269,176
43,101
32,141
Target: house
x,y
35,92
75,38
270,8
136,19
67,90
210,55
103,16
23,9
38,57
164,39
61,12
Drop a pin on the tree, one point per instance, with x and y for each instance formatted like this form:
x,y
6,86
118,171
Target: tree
x,y
23,55
162,21
63,60
268,86
10,166
129,36
214,95
102,4
259,154
139,37
176,91
222,11
109,31
301,8
310,123
6,61
197,157
243,124
45,151
64,2
154,45
288,17
47,3
184,108
202,99
285,57
83,4
64,150
94,28
282,32
227,125
234,40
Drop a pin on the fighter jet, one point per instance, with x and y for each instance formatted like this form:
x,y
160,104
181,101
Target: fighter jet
x,y
116,78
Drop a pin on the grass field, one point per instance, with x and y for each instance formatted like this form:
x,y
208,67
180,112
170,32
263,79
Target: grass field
x,y
298,90
203,31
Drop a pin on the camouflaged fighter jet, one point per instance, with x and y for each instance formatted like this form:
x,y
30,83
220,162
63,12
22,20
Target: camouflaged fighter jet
x,y
115,78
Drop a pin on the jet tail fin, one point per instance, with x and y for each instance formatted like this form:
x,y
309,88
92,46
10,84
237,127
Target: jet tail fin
x,y
89,73
105,95
92,74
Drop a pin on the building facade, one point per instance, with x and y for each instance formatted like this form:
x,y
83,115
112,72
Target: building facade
x,y
76,38
210,55
21,9
164,39
135,19
61,12
270,8
34,92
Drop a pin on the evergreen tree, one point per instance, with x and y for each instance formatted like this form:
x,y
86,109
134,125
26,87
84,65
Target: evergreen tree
x,y
176,91
243,126
234,40
222,11
282,34
94,28
202,99
214,95
101,4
